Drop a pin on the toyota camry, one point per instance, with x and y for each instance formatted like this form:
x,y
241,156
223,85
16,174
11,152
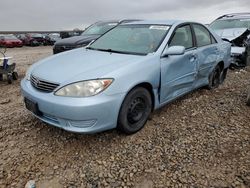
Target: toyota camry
x,y
118,80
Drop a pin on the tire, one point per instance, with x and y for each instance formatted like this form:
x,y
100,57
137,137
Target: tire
x,y
134,111
215,78
223,75
248,98
14,75
1,77
9,79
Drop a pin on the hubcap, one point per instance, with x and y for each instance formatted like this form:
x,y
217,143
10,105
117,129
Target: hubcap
x,y
136,110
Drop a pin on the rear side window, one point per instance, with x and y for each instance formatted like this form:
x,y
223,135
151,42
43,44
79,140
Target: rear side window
x,y
182,37
202,35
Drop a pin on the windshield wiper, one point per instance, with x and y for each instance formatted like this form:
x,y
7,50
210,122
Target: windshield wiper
x,y
90,48
115,51
110,50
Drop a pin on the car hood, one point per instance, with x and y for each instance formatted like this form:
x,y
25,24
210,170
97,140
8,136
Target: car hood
x,y
80,64
77,40
231,34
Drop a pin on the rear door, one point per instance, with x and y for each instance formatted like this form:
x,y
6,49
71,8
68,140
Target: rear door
x,y
178,72
207,53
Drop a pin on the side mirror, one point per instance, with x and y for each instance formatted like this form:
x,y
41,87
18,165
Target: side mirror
x,y
174,50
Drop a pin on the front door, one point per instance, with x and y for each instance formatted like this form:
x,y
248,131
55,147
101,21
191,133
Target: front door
x,y
178,72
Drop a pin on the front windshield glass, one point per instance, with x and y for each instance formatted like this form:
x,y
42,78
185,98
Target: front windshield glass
x,y
132,39
99,28
230,23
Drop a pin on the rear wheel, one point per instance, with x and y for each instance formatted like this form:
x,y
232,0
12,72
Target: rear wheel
x,y
215,78
135,111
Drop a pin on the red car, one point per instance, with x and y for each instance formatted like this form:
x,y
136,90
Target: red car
x,y
10,41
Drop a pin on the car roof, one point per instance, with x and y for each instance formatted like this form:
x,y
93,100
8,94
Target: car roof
x,y
118,21
245,15
158,22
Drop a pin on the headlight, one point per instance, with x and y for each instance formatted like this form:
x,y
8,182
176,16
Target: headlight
x,y
84,88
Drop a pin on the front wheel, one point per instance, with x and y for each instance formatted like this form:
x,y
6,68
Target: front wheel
x,y
134,111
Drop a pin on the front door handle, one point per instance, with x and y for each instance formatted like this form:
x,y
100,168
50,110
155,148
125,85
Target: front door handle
x,y
192,58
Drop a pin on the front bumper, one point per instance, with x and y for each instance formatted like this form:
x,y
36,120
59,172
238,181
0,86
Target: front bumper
x,y
81,115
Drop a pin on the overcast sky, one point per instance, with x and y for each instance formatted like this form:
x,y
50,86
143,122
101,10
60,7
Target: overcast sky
x,y
16,15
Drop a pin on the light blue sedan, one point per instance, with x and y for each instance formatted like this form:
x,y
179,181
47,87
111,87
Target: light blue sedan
x,y
118,80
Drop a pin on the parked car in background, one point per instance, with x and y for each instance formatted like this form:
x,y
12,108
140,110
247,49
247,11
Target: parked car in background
x,y
67,34
235,28
37,38
91,33
120,78
52,38
10,41
22,37
34,39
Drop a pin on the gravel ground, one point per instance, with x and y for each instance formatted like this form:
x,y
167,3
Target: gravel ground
x,y
200,140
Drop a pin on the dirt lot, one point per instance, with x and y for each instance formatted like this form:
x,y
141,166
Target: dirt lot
x,y
201,140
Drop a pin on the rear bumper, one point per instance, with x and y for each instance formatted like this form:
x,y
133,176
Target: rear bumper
x,y
81,115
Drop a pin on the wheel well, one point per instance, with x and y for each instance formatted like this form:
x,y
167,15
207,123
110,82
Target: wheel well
x,y
148,87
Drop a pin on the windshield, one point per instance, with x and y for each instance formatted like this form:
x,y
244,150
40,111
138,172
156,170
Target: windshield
x,y
132,39
230,23
99,28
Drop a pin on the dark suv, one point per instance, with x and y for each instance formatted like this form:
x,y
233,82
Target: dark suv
x,y
91,33
235,28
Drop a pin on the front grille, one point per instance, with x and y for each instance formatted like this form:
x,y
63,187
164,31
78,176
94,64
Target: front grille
x,y
42,84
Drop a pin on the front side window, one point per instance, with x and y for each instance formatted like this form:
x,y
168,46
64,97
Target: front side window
x,y
203,37
182,37
132,39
